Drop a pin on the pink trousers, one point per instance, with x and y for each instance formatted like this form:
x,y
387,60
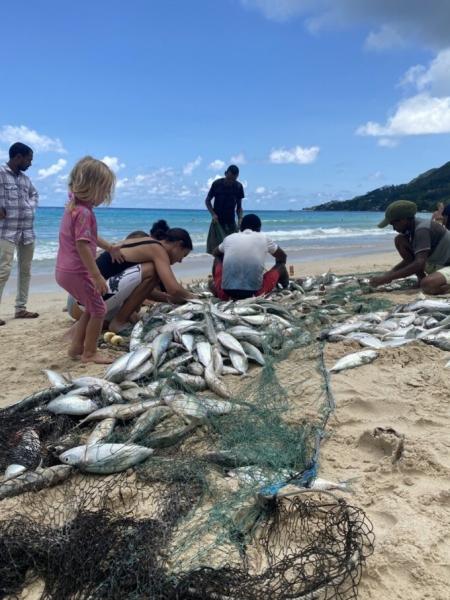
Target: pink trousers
x,y
81,287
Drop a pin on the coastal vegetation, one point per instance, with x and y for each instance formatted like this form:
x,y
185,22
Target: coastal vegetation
x,y
426,191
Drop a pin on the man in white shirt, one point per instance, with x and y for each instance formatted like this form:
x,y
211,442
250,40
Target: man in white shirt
x,y
240,260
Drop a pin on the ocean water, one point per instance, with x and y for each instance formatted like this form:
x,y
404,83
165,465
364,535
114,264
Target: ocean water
x,y
298,232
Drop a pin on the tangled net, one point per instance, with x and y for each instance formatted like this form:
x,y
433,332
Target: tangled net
x,y
111,539
175,527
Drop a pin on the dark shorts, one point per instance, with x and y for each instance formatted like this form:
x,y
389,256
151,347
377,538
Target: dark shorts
x,y
270,280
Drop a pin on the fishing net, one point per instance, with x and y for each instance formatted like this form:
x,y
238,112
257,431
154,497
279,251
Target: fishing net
x,y
210,514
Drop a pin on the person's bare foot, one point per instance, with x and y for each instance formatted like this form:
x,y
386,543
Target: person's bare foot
x,y
75,352
97,358
117,326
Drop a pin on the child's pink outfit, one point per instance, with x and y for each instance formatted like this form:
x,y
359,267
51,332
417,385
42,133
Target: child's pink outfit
x,y
78,223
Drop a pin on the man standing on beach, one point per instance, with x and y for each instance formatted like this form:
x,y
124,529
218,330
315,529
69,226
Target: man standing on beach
x,y
18,201
228,194
424,246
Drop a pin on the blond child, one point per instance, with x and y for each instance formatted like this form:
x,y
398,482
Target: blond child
x,y
91,183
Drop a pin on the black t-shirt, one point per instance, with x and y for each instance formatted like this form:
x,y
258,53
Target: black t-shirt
x,y
227,197
446,213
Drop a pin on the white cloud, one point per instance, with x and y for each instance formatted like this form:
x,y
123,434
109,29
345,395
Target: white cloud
x,y
296,155
217,164
386,37
238,159
113,163
53,169
38,142
4,155
412,20
190,166
260,189
418,115
435,78
387,142
121,183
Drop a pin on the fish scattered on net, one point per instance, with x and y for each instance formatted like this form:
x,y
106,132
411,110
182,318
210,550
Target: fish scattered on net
x,y
191,521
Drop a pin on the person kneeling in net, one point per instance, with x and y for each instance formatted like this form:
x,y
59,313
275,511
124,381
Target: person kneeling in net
x,y
238,270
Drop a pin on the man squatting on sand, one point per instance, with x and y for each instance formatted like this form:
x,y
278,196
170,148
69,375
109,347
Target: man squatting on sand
x,y
424,246
18,202
238,270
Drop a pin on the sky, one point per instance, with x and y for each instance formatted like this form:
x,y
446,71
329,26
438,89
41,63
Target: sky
x,y
315,100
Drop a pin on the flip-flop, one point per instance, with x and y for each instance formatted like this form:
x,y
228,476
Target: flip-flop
x,y
25,314
2,322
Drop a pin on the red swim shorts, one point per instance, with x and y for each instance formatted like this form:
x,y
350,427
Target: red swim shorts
x,y
270,280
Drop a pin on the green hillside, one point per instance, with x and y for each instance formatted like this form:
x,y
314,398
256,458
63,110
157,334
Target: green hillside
x,y
426,191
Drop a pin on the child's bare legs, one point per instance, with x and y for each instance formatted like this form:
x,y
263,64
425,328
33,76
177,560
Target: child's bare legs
x,y
90,352
78,335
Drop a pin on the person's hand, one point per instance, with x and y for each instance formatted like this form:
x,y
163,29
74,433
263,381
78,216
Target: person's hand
x,y
116,253
2,213
379,280
215,218
100,284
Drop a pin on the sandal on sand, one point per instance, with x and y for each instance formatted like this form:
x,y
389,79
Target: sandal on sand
x,y
2,322
25,314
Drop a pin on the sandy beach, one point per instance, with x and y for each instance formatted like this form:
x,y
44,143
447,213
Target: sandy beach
x,y
406,390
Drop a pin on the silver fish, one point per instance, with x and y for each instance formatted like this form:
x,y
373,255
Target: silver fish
x,y
355,359
116,371
72,405
204,352
253,353
196,368
169,438
142,371
322,485
187,339
239,361
147,421
137,358
123,412
160,344
230,342
34,480
136,335
195,382
214,383
105,458
101,431
110,391
13,470
56,379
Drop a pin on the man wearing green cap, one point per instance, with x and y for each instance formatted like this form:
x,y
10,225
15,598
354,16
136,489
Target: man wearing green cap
x,y
424,246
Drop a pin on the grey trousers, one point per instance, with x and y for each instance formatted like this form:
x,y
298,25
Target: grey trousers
x,y
24,258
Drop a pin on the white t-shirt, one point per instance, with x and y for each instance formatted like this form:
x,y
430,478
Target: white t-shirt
x,y
244,257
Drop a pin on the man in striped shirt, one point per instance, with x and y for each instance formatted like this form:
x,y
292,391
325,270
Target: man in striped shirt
x,y
18,201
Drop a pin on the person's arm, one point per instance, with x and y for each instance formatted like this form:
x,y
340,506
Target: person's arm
x,y
416,267
33,195
89,262
165,274
280,256
113,249
239,211
208,204
2,199
218,253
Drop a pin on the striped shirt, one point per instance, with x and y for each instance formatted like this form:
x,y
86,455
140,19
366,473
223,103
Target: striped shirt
x,y
19,199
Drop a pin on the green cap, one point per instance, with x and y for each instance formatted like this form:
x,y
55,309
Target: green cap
x,y
401,209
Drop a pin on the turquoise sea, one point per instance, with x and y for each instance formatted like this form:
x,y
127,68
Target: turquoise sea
x,y
300,233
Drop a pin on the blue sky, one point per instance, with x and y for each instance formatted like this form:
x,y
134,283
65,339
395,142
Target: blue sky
x,y
315,100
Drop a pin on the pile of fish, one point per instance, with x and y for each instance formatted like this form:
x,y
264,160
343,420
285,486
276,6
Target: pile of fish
x,y
424,319
175,354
